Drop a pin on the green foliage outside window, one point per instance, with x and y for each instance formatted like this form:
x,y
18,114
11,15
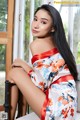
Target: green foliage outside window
x,y
27,29
3,15
3,23
78,56
37,3
2,57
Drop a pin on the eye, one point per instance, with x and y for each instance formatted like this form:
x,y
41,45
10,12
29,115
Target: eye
x,y
43,22
35,19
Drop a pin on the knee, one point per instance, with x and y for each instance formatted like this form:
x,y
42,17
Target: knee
x,y
13,73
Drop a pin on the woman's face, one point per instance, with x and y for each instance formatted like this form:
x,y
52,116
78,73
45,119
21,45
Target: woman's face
x,y
41,24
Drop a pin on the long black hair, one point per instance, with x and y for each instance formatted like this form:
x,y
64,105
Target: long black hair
x,y
59,38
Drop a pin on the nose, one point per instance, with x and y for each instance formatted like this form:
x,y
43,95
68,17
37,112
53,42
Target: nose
x,y
36,25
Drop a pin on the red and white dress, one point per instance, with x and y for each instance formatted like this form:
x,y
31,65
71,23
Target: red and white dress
x,y
51,74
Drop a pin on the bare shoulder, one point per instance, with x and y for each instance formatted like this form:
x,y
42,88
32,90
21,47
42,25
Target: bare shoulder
x,y
40,45
34,42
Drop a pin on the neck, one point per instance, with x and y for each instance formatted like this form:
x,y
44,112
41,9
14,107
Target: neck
x,y
48,37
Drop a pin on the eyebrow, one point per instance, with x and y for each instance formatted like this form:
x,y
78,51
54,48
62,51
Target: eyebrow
x,y
42,18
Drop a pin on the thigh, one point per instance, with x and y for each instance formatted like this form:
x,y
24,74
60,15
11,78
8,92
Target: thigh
x,y
34,96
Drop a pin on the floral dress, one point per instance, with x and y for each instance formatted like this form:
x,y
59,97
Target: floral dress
x,y
51,74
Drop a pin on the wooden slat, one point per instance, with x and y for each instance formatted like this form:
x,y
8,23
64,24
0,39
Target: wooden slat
x,y
10,18
8,56
3,40
9,34
3,34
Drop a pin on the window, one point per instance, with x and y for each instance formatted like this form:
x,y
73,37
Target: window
x,y
30,7
70,13
3,29
71,19
3,15
6,36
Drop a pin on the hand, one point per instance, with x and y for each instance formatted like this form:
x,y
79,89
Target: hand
x,y
20,63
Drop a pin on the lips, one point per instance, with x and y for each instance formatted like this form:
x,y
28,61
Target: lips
x,y
34,31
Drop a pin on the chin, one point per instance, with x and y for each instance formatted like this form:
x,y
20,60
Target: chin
x,y
35,35
38,36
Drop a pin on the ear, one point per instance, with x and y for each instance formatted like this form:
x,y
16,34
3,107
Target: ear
x,y
52,30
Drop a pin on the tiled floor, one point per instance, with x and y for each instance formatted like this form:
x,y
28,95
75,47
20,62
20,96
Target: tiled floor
x,y
78,116
33,116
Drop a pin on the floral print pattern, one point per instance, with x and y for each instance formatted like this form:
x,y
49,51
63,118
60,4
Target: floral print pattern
x,y
62,97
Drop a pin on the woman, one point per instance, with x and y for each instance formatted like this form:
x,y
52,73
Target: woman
x,y
48,87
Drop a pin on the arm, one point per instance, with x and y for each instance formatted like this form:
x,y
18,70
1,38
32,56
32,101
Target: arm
x,y
20,63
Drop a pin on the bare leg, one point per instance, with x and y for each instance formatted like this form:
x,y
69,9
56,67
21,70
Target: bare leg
x,y
22,105
28,89
17,99
13,102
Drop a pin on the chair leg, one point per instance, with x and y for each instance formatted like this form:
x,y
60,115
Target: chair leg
x,y
7,96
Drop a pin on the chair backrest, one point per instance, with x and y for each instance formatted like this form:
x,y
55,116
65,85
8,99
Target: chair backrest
x,y
78,92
